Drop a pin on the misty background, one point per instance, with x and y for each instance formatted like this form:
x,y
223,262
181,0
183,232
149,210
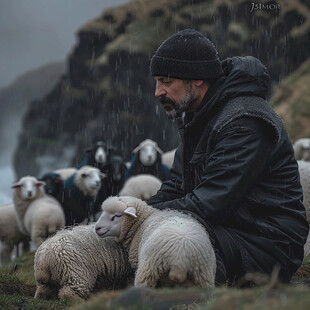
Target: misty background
x,y
34,34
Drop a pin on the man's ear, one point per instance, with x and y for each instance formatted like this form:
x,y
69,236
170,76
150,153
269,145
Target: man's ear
x,y
198,83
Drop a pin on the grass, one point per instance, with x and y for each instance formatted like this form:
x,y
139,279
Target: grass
x,y
17,287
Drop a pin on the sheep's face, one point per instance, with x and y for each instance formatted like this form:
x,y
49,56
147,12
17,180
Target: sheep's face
x,y
148,155
28,187
109,224
92,179
101,156
114,211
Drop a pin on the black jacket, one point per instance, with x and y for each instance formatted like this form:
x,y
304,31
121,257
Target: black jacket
x,y
235,168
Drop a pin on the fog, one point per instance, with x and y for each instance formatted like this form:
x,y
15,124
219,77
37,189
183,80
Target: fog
x,y
32,34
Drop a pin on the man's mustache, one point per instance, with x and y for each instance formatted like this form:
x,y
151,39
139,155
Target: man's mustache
x,y
164,100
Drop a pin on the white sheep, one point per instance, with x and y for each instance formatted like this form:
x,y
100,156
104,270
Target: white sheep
x,y
65,173
148,150
75,262
10,235
168,158
142,186
304,172
79,194
302,149
37,214
162,245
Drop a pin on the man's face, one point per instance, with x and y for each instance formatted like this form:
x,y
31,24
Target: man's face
x,y
176,95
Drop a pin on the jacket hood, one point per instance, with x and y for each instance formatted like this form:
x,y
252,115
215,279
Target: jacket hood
x,y
245,76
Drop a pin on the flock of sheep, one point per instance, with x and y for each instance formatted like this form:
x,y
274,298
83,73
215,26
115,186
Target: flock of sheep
x,y
131,243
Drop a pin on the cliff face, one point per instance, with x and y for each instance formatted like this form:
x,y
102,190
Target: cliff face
x,y
108,92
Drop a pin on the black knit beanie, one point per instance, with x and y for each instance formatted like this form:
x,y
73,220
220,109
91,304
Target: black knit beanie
x,y
187,54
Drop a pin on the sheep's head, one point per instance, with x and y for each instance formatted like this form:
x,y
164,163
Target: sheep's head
x,y
91,179
28,186
148,152
101,156
53,183
114,210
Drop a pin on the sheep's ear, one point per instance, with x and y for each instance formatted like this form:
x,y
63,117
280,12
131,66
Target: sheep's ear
x,y
131,211
159,150
102,175
137,149
40,183
16,185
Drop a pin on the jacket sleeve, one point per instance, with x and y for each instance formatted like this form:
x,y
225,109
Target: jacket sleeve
x,y
171,189
241,153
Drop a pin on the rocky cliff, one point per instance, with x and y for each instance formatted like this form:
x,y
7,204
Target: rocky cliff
x,y
108,92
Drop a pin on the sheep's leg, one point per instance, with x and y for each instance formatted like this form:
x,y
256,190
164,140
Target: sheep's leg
x,y
203,277
37,235
45,292
66,292
6,250
147,275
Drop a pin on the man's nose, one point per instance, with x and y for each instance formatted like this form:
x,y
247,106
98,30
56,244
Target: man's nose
x,y
159,91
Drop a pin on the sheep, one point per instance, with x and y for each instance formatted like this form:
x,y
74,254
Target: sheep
x,y
168,157
142,186
79,194
147,159
65,173
25,191
97,156
302,149
304,172
10,235
162,245
75,262
54,184
37,214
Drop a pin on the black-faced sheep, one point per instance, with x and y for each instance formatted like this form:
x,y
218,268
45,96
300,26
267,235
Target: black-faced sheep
x,y
76,262
147,159
162,245
37,214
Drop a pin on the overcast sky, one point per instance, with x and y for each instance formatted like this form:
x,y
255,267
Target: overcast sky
x,y
36,32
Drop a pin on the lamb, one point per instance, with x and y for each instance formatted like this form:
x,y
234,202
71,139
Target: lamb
x,y
161,245
75,262
79,195
302,149
147,159
37,214
304,172
10,235
142,186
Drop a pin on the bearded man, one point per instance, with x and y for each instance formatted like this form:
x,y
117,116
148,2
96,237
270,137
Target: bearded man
x,y
234,169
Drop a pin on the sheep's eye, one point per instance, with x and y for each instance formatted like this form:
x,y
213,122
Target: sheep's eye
x,y
116,215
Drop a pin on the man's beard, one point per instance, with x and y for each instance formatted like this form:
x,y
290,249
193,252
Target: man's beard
x,y
175,110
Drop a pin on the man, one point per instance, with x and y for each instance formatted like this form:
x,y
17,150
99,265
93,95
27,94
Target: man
x,y
234,169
